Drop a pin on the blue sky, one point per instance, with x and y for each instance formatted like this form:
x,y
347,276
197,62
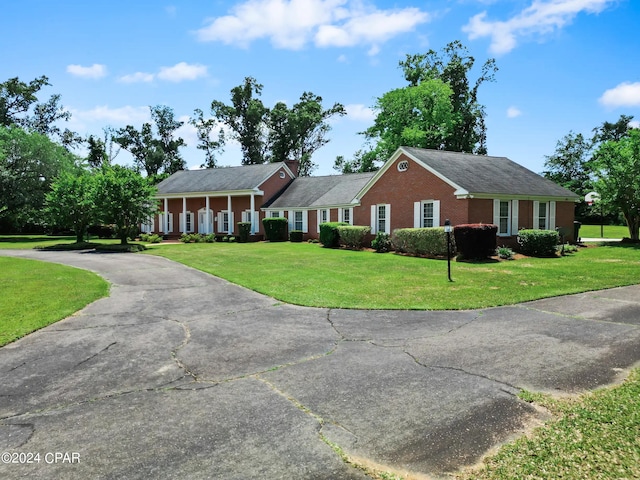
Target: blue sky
x,y
564,64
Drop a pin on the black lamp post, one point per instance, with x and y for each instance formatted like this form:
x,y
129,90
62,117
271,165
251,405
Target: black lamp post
x,y
448,229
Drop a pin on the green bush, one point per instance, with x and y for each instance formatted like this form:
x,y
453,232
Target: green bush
x,y
150,237
476,240
295,235
210,238
382,242
353,236
430,242
329,236
186,238
244,229
538,243
118,248
505,253
275,229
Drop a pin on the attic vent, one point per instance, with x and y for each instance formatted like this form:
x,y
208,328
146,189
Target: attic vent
x,y
282,174
403,166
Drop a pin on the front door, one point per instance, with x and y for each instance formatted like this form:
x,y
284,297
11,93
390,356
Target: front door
x,y
202,222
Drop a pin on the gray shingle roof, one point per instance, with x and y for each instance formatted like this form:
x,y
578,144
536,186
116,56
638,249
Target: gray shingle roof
x,y
481,174
308,192
246,177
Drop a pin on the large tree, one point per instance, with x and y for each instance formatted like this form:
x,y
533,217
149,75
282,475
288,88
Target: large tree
x,y
29,162
125,199
245,119
415,116
296,133
19,105
71,203
154,152
453,66
209,140
617,170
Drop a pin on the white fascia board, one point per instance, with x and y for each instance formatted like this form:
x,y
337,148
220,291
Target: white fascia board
x,y
313,207
508,196
233,193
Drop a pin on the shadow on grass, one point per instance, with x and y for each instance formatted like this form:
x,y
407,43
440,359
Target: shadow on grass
x,y
15,239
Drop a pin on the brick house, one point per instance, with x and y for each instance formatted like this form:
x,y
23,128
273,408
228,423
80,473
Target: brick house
x,y
414,188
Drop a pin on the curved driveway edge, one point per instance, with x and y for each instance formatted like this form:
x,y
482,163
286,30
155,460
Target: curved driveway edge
x,y
179,374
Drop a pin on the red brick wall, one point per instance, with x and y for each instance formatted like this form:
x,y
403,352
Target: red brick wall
x,y
402,189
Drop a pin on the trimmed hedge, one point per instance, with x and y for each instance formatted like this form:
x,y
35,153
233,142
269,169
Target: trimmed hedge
x,y
329,236
382,242
476,241
275,229
430,242
538,243
295,235
244,231
353,236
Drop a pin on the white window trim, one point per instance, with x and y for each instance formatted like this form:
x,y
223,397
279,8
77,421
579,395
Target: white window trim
x,y
319,216
418,209
148,226
305,220
202,226
496,216
188,220
220,218
387,218
162,222
341,212
550,218
246,217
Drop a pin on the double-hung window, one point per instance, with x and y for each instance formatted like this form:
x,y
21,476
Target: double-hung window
x,y
544,215
381,218
298,220
323,216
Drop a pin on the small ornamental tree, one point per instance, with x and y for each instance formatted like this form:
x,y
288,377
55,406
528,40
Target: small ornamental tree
x,y
71,203
125,199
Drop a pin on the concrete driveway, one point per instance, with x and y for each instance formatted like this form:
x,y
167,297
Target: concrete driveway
x,y
179,374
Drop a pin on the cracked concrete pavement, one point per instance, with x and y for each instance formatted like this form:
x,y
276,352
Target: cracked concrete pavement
x,y
179,374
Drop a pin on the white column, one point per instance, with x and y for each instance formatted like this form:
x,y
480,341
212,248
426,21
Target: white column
x,y
183,226
166,215
207,222
230,230
253,208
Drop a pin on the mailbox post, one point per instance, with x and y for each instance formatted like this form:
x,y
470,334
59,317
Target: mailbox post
x,y
448,229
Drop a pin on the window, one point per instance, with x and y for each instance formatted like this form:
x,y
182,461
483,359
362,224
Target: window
x,y
542,216
297,220
323,217
427,214
381,218
148,226
503,225
163,227
275,214
346,215
225,222
186,223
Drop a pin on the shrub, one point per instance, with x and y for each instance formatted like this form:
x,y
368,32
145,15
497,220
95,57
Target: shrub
x,y
538,243
475,241
244,229
275,229
295,235
431,242
382,242
505,253
101,231
329,236
129,248
353,236
150,237
185,238
210,238
232,239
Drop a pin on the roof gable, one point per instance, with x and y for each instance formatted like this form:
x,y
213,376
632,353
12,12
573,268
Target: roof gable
x,y
478,175
225,179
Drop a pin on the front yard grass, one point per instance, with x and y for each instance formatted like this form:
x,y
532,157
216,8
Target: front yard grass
x,y
307,274
596,436
22,242
34,294
609,231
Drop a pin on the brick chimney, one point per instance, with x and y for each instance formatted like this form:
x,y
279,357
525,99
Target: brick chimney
x,y
293,166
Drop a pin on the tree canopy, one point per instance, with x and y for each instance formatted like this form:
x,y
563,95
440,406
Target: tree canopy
x,y
276,134
154,152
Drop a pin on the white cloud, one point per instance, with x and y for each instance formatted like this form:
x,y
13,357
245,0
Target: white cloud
x,y
626,94
513,112
359,112
138,77
94,71
292,24
182,71
541,18
634,124
118,116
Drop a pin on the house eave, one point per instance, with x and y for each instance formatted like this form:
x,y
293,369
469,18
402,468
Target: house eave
x,y
223,193
509,196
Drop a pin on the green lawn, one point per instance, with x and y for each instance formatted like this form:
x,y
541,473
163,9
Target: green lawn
x,y
596,436
34,294
609,231
307,274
